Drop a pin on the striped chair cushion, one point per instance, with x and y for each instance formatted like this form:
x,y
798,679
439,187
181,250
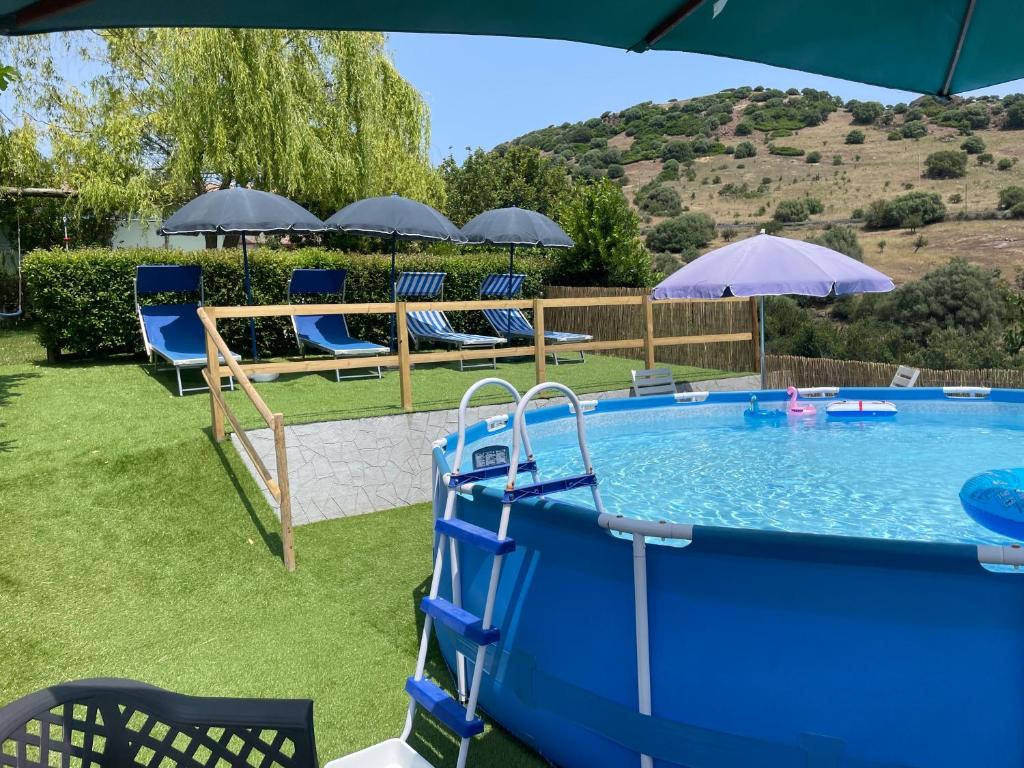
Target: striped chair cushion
x,y
498,285
424,285
520,326
431,324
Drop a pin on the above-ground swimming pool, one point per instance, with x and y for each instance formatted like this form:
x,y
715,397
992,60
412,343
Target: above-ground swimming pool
x,y
827,607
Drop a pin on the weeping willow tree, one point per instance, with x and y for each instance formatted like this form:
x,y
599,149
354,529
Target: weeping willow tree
x,y
322,117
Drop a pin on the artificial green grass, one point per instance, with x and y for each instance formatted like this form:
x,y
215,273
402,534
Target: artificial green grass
x,y
134,546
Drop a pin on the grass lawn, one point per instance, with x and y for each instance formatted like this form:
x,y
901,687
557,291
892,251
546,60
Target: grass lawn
x,y
134,546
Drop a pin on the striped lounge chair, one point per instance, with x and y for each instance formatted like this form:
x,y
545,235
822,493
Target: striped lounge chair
x,y
327,333
173,332
432,325
513,323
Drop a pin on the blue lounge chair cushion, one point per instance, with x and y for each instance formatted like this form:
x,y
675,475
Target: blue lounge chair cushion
x,y
501,286
431,324
514,322
175,332
423,285
330,333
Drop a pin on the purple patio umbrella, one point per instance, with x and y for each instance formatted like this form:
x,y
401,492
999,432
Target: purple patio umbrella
x,y
765,265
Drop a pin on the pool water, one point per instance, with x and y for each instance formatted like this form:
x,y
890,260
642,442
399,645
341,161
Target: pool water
x,y
895,478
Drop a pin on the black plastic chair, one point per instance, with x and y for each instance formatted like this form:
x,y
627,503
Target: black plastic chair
x,y
113,723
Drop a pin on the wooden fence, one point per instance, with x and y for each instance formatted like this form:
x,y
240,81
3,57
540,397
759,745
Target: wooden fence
x,y
722,316
785,370
637,315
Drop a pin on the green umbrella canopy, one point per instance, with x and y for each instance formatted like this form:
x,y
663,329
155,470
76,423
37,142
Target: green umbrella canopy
x,y
928,46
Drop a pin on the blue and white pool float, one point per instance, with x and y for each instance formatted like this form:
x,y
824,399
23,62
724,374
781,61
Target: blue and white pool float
x,y
995,499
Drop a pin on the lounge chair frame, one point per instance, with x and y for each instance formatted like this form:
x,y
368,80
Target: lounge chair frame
x,y
337,353
153,353
434,288
495,286
905,376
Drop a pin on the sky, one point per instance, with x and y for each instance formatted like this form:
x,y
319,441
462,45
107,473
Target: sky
x,y
486,90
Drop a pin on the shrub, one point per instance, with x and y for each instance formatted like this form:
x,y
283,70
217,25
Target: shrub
x,y
914,129
1013,119
895,136
973,145
813,157
985,158
956,198
945,164
790,211
842,239
856,136
1017,211
744,129
920,207
658,200
745,149
865,112
680,151
837,159
1010,196
606,232
813,205
685,233
1004,164
858,214
616,171
785,151
83,302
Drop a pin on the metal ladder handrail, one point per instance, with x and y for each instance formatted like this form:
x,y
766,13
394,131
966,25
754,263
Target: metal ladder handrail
x,y
520,440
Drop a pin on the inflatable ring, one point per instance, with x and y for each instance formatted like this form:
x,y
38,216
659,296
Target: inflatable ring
x,y
995,499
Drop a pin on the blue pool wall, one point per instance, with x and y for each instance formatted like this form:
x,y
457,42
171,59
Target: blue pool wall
x,y
767,648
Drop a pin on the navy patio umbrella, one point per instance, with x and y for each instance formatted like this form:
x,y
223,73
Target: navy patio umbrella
x,y
242,211
395,218
515,226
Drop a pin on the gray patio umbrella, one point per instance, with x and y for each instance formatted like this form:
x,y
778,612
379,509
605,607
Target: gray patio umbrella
x,y
241,211
396,218
515,226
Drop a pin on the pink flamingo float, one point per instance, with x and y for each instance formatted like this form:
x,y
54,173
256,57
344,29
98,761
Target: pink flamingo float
x,y
797,409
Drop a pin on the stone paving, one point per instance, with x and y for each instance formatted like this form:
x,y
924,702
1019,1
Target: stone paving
x,y
356,466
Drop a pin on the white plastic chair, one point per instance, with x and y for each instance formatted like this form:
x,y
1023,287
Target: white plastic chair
x,y
905,376
653,381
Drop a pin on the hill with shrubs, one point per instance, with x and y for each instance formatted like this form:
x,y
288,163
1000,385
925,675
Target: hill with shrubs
x,y
920,182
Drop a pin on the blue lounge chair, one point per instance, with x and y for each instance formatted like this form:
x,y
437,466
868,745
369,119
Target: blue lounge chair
x,y
327,333
431,325
173,331
513,322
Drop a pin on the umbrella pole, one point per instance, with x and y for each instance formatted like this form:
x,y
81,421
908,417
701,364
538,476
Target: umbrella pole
x,y
508,312
764,375
394,251
248,294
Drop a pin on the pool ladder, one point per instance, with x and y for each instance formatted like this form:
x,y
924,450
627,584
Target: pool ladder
x,y
460,717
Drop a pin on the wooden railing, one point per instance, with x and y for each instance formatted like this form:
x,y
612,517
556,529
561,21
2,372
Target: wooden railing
x,y
403,360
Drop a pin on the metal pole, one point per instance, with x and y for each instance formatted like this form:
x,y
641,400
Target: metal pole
x,y
764,375
248,295
511,271
394,251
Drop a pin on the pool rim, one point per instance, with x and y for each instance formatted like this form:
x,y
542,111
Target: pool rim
x,y
927,554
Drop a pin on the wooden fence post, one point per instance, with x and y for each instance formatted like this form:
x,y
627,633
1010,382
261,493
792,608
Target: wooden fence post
x,y
285,502
648,306
540,354
404,369
213,372
755,334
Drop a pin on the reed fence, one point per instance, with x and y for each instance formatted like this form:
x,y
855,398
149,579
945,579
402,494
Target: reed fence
x,y
682,318
786,370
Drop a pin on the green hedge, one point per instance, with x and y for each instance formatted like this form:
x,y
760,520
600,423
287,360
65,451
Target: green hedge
x,y
83,300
